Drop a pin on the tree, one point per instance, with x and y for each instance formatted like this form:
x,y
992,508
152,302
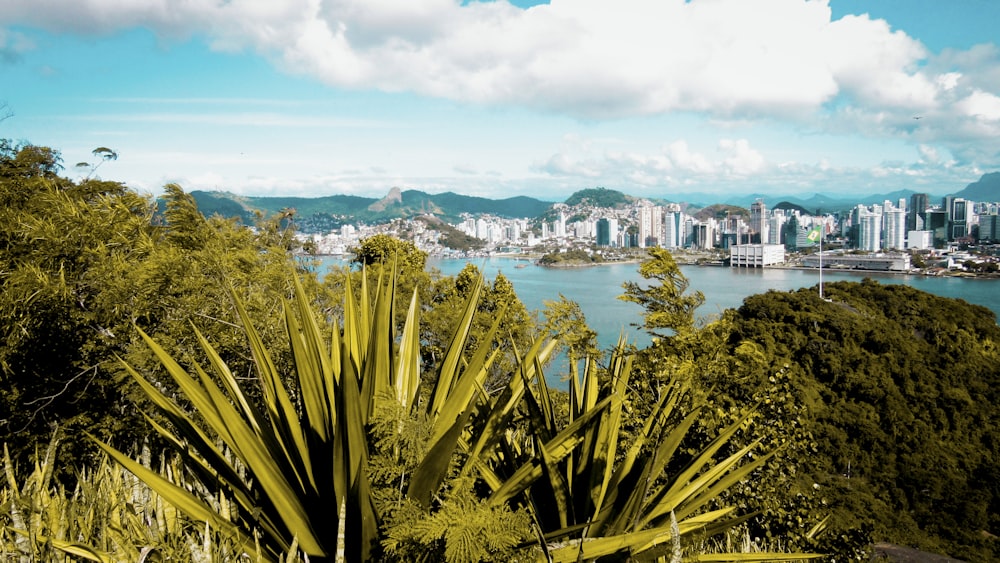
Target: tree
x,y
81,263
665,304
564,319
66,250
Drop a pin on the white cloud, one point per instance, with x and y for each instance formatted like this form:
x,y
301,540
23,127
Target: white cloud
x,y
983,106
736,61
740,159
589,58
675,163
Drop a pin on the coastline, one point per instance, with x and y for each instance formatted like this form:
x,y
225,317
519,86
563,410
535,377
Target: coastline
x,y
683,260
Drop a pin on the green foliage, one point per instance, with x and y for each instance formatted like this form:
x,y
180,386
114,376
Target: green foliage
x,y
109,517
466,528
710,362
498,303
418,468
80,263
320,211
598,197
456,239
571,257
899,391
665,304
384,249
565,319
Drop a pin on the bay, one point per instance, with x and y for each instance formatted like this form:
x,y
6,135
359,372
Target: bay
x,y
596,288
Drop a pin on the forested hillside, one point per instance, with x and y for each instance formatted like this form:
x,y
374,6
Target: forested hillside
x,y
902,393
323,214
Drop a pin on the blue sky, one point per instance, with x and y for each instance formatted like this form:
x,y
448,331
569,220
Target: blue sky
x,y
657,98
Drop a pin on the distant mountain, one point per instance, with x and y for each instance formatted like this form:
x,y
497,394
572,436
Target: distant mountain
x,y
317,214
330,211
820,202
788,206
986,189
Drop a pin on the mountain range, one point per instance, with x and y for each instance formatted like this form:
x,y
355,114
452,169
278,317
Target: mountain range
x,y
323,213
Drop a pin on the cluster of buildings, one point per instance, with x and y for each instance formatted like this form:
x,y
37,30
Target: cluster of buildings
x,y
871,237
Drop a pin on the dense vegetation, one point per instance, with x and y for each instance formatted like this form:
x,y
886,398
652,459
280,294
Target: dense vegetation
x,y
325,212
720,211
574,257
902,393
275,404
452,237
599,197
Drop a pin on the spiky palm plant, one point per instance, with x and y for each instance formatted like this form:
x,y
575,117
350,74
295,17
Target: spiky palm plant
x,y
591,501
298,471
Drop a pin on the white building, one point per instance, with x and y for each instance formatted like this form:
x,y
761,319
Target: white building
x,y
920,240
870,229
756,255
893,228
650,225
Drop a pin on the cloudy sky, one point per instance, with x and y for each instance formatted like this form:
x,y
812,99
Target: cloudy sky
x,y
658,98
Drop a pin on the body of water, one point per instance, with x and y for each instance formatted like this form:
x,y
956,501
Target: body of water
x,y
596,288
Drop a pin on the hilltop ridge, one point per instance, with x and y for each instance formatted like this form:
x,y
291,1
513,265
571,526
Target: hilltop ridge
x,y
331,211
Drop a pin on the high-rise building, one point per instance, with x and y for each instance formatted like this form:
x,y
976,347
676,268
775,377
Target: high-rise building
x,y
775,224
870,229
607,232
894,229
915,214
650,225
758,222
989,228
957,211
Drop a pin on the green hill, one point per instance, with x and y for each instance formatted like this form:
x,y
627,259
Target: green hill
x,y
901,393
599,197
325,213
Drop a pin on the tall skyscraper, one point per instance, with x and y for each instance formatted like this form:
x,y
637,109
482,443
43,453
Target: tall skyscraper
x,y
957,211
758,222
894,228
650,225
870,228
607,232
915,214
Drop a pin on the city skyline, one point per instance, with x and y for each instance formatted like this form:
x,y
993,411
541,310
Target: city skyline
x,y
653,98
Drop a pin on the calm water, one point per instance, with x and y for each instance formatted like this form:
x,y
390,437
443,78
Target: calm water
x,y
596,288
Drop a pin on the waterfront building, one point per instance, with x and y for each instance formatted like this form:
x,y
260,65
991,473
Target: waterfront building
x,y
704,235
756,255
879,262
560,225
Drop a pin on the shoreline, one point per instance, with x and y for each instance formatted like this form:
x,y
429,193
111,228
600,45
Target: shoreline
x,y
533,260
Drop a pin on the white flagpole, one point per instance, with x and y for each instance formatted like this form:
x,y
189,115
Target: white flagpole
x,y
821,262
